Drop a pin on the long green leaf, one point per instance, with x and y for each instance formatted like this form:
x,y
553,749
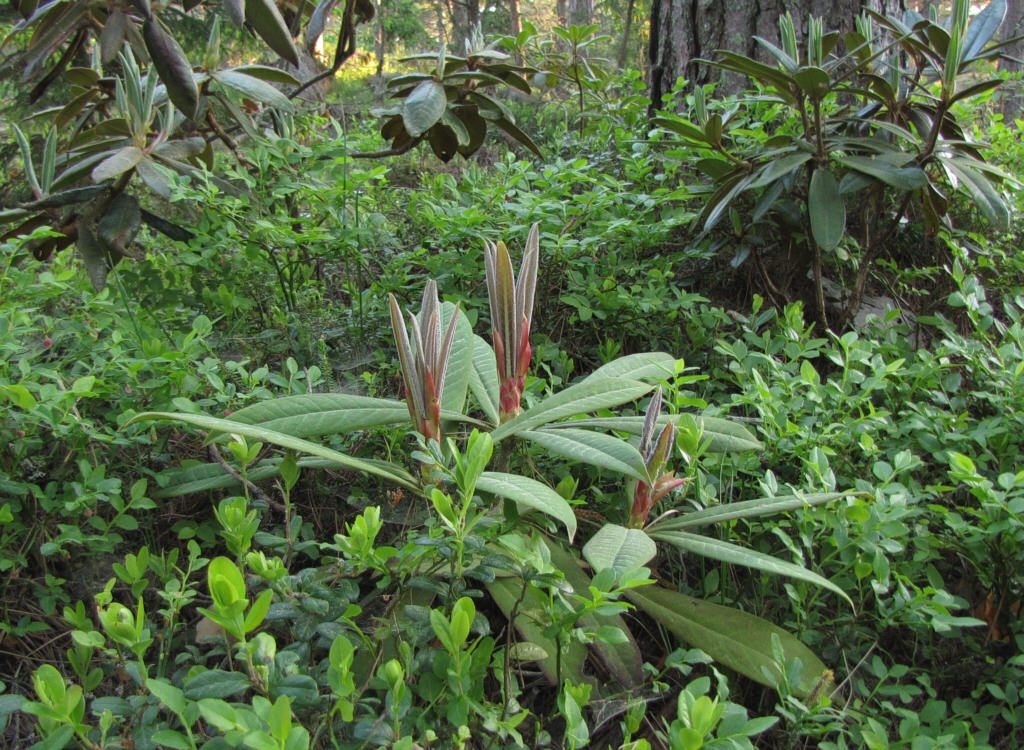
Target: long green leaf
x,y
826,208
460,361
117,163
423,107
531,493
746,509
390,473
202,477
266,19
483,379
731,553
988,199
593,448
737,639
581,398
322,413
637,367
983,28
779,167
619,548
252,87
725,434
899,177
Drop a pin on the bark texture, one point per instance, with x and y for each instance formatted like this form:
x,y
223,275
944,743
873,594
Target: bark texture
x,y
684,30
1012,60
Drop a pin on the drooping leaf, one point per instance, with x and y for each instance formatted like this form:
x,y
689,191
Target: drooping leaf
x,y
423,107
900,177
66,197
826,209
266,19
253,87
531,493
154,178
737,639
97,264
317,22
172,66
619,548
390,473
119,224
593,448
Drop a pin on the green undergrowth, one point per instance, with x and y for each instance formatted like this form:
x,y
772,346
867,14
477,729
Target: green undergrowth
x,y
152,597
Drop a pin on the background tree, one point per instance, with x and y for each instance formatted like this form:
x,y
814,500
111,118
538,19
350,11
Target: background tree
x,y
1013,59
682,31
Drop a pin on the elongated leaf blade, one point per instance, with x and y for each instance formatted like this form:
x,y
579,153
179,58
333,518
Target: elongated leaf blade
x,y
460,361
172,66
531,493
900,177
117,163
203,477
826,208
252,87
586,396
983,28
213,424
737,639
593,448
745,509
731,553
266,19
483,379
725,434
637,367
423,107
315,414
619,548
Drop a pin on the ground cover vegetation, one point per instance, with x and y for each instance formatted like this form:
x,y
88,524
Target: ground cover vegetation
x,y
338,430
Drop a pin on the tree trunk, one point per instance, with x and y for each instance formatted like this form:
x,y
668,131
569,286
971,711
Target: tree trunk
x,y
580,12
624,46
378,49
684,30
1011,61
562,13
